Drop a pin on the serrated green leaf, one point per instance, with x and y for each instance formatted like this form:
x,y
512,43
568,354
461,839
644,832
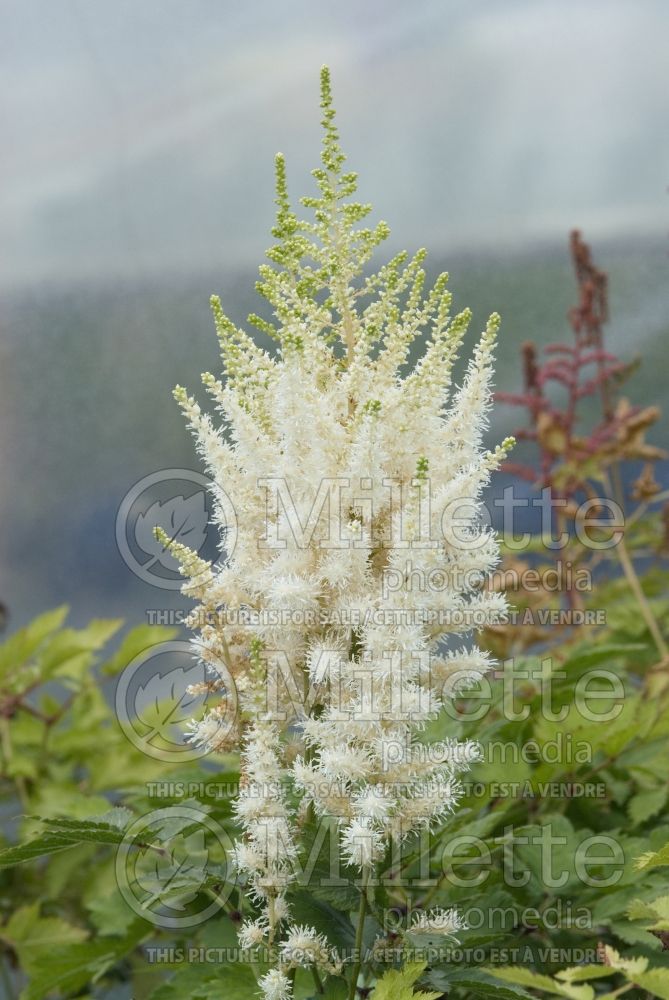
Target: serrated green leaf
x,y
139,639
656,911
647,803
521,976
70,652
111,915
399,984
33,936
208,982
59,835
18,649
656,981
639,910
479,984
634,935
601,654
71,968
581,973
653,859
46,844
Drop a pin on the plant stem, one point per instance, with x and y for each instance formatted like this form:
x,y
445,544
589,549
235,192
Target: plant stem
x,y
362,912
642,600
317,979
272,919
625,560
643,507
8,753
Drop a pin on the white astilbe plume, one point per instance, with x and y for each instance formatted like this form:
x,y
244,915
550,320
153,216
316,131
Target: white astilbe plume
x,y
265,855
275,985
357,564
446,923
252,933
303,946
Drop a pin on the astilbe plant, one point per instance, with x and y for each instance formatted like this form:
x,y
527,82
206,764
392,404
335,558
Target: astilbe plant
x,y
569,453
343,461
582,453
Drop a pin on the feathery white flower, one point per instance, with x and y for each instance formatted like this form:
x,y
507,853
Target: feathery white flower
x,y
304,946
438,922
252,933
373,803
281,908
246,859
361,843
324,660
360,549
212,732
275,985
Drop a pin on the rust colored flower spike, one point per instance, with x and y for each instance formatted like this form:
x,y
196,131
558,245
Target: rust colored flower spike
x,y
580,369
593,309
576,458
530,368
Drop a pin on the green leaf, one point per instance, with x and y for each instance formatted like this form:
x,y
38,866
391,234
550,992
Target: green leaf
x,y
639,910
70,968
634,935
307,909
656,981
335,988
631,966
581,973
46,844
105,828
556,834
111,914
135,642
33,936
208,982
646,804
525,977
69,655
656,911
589,657
653,859
63,833
479,984
399,984
24,643
321,880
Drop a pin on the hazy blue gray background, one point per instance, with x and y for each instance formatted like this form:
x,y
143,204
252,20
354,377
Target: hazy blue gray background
x,y
136,178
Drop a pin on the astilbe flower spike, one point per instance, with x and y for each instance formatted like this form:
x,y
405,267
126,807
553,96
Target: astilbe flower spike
x,y
568,453
579,457
343,461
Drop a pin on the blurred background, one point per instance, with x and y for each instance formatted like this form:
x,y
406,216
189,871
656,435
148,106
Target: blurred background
x,y
137,179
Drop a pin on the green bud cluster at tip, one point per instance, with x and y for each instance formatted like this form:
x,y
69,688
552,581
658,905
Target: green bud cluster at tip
x,y
317,288
422,467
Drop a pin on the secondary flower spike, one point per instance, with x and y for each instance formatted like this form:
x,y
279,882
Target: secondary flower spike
x,y
355,469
